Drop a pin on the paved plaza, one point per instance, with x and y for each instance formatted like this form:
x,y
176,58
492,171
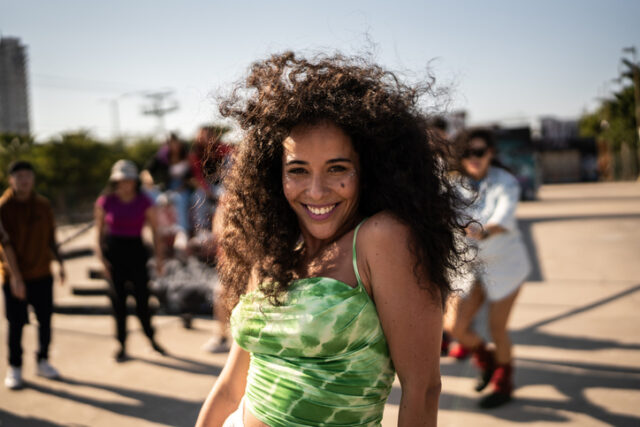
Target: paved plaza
x,y
575,328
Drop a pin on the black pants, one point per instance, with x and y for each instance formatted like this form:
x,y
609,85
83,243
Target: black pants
x,y
128,258
40,297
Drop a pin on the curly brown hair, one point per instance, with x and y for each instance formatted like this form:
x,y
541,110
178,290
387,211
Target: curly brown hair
x,y
402,166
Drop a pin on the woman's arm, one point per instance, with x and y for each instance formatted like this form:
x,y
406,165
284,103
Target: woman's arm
x,y
229,388
98,215
411,316
479,232
227,391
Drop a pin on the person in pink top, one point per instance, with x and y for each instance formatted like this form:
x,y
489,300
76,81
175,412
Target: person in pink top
x,y
120,214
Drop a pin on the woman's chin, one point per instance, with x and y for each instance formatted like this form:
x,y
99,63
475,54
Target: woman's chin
x,y
321,233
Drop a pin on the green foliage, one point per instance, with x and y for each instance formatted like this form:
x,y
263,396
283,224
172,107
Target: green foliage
x,y
73,169
589,125
141,151
614,121
12,147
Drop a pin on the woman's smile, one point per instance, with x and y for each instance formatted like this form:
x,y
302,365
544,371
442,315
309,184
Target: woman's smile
x,y
320,213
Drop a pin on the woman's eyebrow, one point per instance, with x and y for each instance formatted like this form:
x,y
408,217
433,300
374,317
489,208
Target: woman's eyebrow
x,y
302,162
296,162
339,159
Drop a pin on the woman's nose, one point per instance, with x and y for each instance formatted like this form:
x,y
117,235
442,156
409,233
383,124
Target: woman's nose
x,y
317,187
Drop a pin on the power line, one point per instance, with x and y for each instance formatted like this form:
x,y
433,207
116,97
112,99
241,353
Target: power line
x,y
72,83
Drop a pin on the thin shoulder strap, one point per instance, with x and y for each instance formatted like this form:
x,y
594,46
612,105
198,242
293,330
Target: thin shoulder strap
x,y
355,259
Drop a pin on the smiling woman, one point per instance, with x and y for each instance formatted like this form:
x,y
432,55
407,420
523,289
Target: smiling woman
x,y
339,241
320,181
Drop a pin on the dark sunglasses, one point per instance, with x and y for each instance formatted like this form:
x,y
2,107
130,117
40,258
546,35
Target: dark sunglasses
x,y
475,152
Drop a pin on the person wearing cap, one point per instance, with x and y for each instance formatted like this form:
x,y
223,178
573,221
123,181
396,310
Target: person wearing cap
x,y
120,214
27,245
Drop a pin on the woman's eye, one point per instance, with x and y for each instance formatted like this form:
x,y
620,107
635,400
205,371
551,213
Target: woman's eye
x,y
337,169
296,171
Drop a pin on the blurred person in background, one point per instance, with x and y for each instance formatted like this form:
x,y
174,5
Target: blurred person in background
x,y
120,215
220,340
27,239
502,264
171,170
208,157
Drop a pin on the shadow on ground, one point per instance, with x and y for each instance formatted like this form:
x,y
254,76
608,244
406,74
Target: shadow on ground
x,y
570,379
148,406
7,419
526,225
185,365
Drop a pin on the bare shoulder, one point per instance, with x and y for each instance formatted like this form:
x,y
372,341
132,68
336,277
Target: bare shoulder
x,y
383,248
384,229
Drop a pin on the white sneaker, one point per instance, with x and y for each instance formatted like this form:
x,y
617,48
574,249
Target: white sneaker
x,y
13,380
46,370
216,344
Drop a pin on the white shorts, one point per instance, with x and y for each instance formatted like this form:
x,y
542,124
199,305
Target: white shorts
x,y
235,419
503,264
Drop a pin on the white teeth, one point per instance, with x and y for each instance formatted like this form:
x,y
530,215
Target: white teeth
x,y
321,211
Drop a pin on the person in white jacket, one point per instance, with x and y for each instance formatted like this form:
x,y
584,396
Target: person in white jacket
x,y
500,267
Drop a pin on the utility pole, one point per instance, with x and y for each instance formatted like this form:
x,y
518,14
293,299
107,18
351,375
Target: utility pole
x,y
114,106
161,104
115,116
634,74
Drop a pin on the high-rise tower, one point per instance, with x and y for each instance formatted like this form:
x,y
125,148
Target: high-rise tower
x,y
14,100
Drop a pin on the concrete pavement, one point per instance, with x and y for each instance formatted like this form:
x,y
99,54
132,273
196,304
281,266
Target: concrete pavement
x,y
576,330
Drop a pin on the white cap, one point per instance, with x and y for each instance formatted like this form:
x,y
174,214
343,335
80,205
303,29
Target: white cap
x,y
123,169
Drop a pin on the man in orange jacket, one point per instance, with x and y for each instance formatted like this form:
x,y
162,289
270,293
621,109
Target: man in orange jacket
x,y
28,246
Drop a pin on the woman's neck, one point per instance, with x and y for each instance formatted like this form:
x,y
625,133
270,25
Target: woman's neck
x,y
480,176
313,246
126,197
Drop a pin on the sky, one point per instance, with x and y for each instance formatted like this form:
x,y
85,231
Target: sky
x,y
503,61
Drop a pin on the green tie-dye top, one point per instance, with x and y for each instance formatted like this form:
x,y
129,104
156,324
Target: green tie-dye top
x,y
320,359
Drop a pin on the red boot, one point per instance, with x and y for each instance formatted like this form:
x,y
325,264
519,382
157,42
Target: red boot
x,y
486,363
502,382
458,351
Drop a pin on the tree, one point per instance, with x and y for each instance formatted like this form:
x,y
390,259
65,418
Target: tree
x,y
614,122
12,147
72,169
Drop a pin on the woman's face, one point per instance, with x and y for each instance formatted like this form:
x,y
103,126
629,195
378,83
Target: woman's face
x,y
477,158
320,179
125,188
174,146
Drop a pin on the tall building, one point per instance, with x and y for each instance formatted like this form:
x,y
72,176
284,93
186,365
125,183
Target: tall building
x,y
14,101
